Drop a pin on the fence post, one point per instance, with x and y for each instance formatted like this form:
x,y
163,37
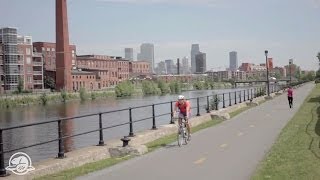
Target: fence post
x,y
235,97
229,98
153,119
244,95
217,102
101,142
208,105
61,147
248,94
130,120
240,96
171,121
198,107
224,103
3,171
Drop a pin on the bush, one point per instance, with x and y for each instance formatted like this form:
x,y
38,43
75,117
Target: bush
x,y
44,98
317,81
175,87
149,87
83,94
164,88
198,85
214,101
64,95
93,95
124,89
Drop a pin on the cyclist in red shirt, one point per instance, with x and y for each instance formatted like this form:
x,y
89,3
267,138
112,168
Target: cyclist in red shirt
x,y
184,111
290,96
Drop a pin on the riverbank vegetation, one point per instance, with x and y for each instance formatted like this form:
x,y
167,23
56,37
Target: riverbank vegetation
x,y
123,89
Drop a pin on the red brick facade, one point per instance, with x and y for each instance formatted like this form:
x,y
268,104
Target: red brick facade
x,y
139,68
85,80
63,54
180,78
109,70
48,51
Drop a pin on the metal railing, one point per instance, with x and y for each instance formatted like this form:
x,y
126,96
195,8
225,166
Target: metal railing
x,y
229,98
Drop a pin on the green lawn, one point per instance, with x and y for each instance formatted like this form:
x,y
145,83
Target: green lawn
x,y
296,153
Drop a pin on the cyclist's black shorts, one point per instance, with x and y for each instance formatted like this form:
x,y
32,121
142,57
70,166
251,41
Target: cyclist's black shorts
x,y
183,115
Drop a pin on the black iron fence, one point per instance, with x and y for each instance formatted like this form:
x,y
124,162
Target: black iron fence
x,y
221,100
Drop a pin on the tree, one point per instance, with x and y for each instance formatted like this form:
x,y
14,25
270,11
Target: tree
x,y
277,75
49,83
20,85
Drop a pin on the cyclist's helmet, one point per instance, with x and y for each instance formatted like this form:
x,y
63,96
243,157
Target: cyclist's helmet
x,y
180,97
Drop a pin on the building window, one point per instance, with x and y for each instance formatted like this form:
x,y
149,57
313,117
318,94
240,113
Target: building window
x,y
28,59
43,49
28,51
53,49
48,49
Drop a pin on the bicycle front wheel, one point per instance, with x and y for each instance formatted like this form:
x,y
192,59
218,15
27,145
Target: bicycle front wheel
x,y
180,138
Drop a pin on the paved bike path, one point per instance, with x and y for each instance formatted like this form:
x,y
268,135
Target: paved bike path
x,y
228,151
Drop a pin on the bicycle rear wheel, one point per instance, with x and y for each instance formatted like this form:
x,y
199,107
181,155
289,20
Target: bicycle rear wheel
x,y
185,137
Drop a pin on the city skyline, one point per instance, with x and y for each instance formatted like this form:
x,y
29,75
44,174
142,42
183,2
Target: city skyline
x,y
280,32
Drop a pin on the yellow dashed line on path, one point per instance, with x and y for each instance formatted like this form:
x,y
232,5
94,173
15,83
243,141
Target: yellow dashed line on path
x,y
223,145
239,134
200,161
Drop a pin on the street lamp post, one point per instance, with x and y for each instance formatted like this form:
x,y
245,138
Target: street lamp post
x,y
290,62
267,65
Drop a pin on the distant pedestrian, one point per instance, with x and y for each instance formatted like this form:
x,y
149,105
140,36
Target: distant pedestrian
x,y
290,96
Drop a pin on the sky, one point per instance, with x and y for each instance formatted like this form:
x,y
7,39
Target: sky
x,y
286,28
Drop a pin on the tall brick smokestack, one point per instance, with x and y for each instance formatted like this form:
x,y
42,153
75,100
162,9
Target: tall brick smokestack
x,y
63,54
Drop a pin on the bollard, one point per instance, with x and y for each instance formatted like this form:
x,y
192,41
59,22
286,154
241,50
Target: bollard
x,y
101,142
229,98
240,96
198,107
153,119
235,97
131,124
61,147
125,141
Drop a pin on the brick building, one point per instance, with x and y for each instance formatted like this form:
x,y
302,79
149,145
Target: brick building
x,y
48,50
245,67
18,62
109,70
170,78
83,79
139,68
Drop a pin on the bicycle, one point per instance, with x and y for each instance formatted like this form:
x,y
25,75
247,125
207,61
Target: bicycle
x,y
183,133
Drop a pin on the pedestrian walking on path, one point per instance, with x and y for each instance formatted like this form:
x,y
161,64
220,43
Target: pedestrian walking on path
x,y
290,96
